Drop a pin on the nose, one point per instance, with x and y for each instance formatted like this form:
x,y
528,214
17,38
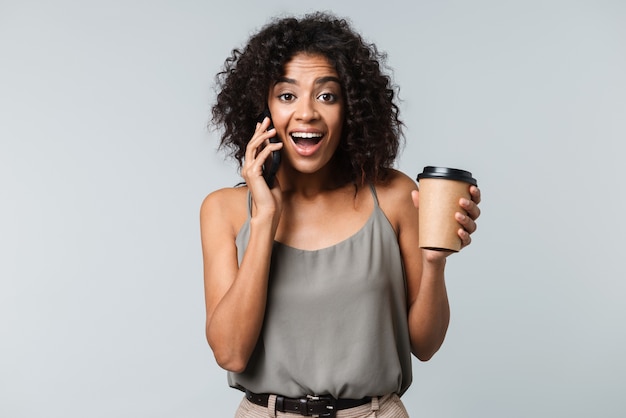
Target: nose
x,y
306,111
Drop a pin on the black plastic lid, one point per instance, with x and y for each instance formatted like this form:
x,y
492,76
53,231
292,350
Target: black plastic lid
x,y
431,172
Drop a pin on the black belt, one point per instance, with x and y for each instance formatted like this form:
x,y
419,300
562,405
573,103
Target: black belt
x,y
324,406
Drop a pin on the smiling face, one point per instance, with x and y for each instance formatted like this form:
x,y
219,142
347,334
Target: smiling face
x,y
307,111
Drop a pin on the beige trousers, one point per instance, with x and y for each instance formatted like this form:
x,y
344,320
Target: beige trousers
x,y
388,406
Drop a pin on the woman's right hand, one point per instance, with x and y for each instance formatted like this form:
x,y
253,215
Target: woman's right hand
x,y
267,201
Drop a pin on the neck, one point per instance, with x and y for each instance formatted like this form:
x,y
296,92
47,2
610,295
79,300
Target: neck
x,y
310,184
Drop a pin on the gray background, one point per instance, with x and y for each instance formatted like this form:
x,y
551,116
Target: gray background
x,y
105,159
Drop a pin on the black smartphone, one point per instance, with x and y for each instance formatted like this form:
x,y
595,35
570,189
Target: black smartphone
x,y
270,166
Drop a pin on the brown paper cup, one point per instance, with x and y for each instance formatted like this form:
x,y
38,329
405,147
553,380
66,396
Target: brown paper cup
x,y
440,190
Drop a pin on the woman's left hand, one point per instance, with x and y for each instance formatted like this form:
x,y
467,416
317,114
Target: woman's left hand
x,y
468,222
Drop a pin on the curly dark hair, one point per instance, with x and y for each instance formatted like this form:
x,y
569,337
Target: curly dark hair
x,y
372,130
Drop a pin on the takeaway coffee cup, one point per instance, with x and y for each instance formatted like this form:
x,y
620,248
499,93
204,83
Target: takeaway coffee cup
x,y
440,189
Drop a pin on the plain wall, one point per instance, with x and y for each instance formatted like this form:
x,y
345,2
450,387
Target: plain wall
x,y
105,158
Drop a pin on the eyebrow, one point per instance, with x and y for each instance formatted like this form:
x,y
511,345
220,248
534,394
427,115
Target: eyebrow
x,y
320,80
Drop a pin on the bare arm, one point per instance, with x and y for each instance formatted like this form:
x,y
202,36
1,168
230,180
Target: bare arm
x,y
429,310
236,295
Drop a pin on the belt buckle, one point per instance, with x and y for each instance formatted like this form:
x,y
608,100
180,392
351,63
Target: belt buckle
x,y
331,404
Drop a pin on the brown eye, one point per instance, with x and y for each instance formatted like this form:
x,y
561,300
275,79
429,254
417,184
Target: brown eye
x,y
327,97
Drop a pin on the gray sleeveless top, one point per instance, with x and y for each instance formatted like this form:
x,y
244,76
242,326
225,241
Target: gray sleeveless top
x,y
336,318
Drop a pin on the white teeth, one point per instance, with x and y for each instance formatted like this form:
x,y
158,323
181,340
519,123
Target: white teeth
x,y
306,135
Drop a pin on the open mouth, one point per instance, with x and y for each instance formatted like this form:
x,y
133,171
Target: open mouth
x,y
306,139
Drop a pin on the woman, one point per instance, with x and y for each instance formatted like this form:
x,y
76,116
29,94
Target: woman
x,y
316,289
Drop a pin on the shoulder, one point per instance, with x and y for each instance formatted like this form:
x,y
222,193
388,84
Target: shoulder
x,y
394,197
225,196
226,207
395,182
395,189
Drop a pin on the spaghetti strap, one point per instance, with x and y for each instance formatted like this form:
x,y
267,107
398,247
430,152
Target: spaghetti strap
x,y
249,204
374,195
